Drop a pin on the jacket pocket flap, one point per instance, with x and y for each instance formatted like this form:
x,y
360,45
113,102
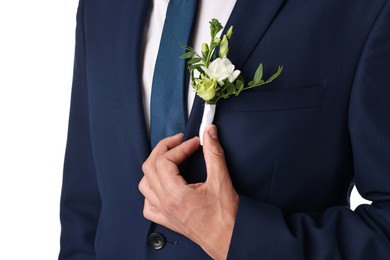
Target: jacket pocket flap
x,y
274,100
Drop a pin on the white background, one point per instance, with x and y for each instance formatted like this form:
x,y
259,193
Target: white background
x,y
36,62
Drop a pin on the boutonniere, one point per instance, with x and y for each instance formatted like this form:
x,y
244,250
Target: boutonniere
x,y
214,77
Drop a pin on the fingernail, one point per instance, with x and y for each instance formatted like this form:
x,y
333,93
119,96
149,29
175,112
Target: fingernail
x,y
213,132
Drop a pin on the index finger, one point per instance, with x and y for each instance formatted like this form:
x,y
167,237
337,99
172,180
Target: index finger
x,y
181,152
166,144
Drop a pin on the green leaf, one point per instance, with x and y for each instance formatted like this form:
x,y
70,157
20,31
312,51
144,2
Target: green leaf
x,y
258,74
197,67
188,55
239,86
215,27
274,76
251,83
194,61
231,89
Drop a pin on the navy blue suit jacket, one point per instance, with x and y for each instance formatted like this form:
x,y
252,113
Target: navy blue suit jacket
x,y
294,148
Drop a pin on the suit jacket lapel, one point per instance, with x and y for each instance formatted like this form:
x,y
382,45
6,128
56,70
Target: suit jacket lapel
x,y
194,120
250,20
135,13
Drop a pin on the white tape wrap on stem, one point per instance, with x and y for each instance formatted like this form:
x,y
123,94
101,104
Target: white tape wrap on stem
x,y
207,119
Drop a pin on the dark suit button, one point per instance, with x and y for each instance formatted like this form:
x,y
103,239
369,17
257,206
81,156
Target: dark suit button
x,y
156,240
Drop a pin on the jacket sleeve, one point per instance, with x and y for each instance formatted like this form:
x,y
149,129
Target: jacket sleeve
x,y
80,201
263,232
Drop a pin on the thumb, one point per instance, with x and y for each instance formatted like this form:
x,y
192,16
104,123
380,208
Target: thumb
x,y
214,155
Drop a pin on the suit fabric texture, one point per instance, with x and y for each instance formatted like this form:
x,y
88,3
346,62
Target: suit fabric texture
x,y
293,148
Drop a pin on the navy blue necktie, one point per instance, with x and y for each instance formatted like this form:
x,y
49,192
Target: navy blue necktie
x,y
168,101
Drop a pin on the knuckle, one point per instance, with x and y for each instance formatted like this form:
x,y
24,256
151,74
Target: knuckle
x,y
159,158
145,167
146,213
162,144
141,184
148,210
160,161
218,151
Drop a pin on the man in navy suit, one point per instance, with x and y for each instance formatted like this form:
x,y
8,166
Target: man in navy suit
x,y
273,181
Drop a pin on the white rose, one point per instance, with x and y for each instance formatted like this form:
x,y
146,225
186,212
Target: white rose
x,y
221,69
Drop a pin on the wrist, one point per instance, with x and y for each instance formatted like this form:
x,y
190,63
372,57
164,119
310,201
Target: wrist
x,y
217,243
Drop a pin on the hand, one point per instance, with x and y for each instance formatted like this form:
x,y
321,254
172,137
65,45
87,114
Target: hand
x,y
203,212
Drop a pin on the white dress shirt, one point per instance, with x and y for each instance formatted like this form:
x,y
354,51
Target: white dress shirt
x,y
207,10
